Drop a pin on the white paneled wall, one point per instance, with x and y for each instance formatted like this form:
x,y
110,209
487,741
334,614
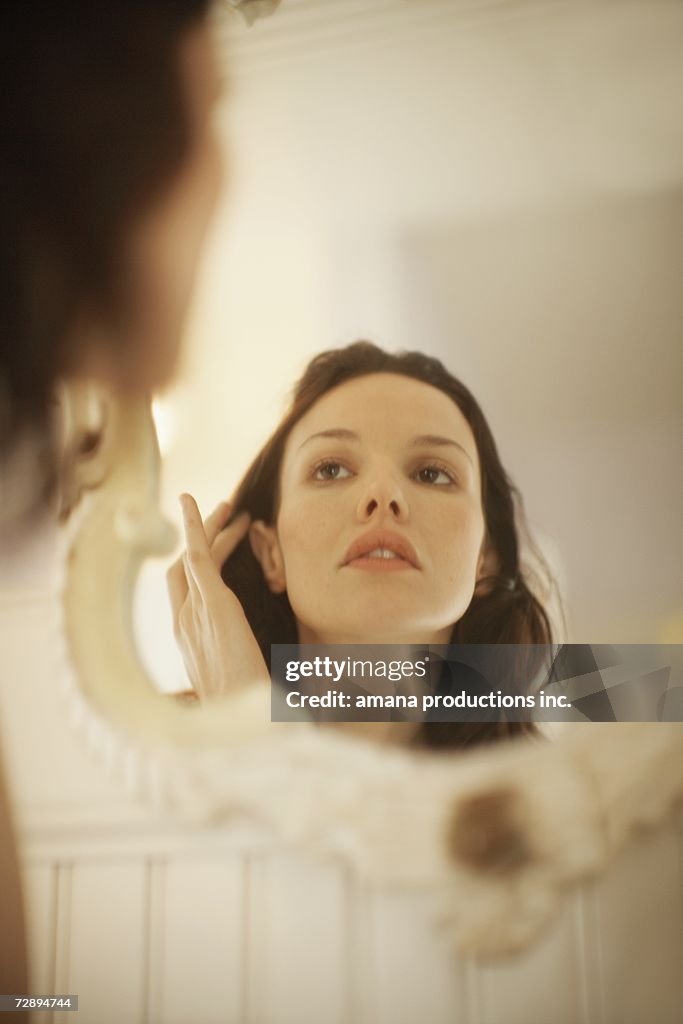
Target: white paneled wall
x,y
223,928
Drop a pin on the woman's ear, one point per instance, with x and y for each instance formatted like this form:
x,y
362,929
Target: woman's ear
x,y
487,565
267,551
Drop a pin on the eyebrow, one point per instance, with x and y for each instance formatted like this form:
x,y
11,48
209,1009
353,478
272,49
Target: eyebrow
x,y
422,441
338,433
436,441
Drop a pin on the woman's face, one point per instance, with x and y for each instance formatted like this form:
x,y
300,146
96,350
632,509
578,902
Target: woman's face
x,y
380,528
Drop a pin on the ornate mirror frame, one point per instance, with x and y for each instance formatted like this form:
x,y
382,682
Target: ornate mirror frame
x,y
497,834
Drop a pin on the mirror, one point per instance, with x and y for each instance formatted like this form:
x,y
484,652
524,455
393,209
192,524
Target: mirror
x,y
500,188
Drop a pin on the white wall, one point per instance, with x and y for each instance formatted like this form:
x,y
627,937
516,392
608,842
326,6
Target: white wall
x,y
498,185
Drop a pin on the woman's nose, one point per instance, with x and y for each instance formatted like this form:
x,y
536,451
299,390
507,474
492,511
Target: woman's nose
x,y
383,496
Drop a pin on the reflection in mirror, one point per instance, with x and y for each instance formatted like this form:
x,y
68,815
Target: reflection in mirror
x,y
378,512
452,184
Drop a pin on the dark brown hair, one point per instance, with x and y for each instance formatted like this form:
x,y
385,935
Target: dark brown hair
x,y
504,609
92,126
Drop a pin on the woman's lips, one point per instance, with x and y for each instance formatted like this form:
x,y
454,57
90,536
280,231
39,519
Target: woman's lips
x,y
377,564
381,550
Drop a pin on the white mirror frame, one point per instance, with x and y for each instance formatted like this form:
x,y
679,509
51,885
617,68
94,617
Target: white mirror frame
x,y
497,834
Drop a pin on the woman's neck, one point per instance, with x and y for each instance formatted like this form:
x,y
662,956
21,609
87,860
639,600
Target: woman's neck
x,y
420,637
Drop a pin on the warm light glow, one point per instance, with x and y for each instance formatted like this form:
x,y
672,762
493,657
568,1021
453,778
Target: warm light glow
x,y
165,417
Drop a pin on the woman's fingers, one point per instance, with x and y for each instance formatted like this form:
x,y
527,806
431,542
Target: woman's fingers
x,y
199,565
228,539
192,586
179,579
197,571
176,584
218,646
214,523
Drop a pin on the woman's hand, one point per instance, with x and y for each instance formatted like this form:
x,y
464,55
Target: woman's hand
x,y
220,651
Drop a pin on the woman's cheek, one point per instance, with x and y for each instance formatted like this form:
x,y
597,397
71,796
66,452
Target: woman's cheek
x,y
464,528
300,531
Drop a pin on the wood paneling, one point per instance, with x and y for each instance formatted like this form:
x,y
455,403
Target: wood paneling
x,y
239,931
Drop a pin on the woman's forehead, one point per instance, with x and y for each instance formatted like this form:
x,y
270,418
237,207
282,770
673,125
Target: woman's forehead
x,y
385,406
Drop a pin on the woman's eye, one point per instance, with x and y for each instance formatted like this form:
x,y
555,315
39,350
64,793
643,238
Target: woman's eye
x,y
434,475
330,471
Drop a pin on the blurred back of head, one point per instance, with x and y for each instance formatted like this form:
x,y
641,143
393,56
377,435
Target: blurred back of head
x,y
97,121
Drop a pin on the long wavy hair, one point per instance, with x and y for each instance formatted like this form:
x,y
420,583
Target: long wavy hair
x,y
504,608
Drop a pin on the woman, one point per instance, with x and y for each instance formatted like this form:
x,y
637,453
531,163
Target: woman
x,y
109,171
378,512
